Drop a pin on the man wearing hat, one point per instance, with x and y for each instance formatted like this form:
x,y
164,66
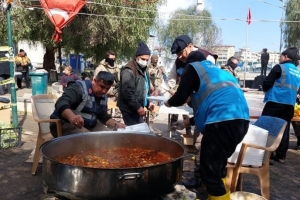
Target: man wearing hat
x,y
134,87
223,124
183,46
281,87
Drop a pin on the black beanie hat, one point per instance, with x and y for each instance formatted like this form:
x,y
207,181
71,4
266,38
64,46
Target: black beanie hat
x,y
195,56
142,49
292,53
180,43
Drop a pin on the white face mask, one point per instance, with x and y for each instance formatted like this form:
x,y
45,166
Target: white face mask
x,y
142,63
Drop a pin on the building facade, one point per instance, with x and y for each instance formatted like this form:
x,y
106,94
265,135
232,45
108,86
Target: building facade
x,y
224,52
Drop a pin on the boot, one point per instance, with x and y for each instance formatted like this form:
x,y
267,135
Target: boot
x,y
192,183
223,197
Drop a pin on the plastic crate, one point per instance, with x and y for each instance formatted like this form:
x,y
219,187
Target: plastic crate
x,y
10,137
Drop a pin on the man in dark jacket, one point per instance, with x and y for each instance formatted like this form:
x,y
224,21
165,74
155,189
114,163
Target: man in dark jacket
x,y
281,87
223,125
83,106
134,87
264,59
182,47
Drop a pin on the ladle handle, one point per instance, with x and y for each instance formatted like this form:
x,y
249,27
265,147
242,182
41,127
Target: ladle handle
x,y
130,176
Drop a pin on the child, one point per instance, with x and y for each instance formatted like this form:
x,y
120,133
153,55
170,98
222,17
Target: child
x,y
68,76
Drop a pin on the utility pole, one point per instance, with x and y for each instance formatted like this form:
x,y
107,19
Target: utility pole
x,y
13,100
282,15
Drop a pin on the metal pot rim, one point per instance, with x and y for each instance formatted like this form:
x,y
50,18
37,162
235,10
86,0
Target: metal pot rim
x,y
112,132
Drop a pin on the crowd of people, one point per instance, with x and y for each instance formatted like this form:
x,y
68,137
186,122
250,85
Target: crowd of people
x,y
194,80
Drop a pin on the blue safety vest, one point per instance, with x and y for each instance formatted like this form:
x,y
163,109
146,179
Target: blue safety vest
x,y
88,108
285,88
219,97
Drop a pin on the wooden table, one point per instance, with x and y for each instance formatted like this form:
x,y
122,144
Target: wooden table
x,y
255,114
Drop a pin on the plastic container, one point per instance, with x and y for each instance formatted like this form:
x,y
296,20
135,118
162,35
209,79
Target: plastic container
x,y
240,195
39,81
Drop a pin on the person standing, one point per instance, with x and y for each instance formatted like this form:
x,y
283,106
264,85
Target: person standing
x,y
183,46
108,64
22,66
222,123
134,87
230,66
264,59
156,72
281,87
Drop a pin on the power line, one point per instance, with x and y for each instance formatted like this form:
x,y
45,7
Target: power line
x,y
194,17
282,7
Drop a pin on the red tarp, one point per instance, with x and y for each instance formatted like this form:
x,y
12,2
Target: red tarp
x,y
61,12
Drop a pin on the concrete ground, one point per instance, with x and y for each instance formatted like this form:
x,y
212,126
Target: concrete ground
x,y
17,183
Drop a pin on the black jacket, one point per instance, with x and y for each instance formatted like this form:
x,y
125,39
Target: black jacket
x,y
70,99
132,87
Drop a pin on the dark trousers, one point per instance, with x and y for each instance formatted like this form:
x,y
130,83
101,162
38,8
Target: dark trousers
x,y
296,127
263,69
218,144
131,118
286,113
24,75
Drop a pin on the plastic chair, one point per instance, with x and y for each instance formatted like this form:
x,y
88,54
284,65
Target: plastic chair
x,y
276,128
42,107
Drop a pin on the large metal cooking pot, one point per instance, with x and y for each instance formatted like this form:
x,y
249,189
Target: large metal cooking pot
x,y
126,183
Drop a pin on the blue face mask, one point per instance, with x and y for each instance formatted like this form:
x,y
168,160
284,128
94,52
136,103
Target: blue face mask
x,y
180,71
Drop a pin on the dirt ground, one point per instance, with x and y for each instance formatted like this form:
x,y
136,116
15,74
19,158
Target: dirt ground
x,y
17,183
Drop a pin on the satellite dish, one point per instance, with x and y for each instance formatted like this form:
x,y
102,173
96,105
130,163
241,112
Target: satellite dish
x,y
200,6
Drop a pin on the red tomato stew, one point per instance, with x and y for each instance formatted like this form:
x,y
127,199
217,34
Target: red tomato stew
x,y
116,158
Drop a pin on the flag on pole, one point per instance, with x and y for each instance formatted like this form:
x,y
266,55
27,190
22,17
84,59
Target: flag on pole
x,y
249,17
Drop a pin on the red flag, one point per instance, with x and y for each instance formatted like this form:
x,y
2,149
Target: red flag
x,y
61,12
249,17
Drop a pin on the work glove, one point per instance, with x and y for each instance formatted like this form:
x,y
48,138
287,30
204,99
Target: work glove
x,y
179,125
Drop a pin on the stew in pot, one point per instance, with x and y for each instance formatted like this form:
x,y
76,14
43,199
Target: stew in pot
x,y
116,158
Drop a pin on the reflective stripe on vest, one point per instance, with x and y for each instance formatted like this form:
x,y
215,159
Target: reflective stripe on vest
x,y
210,87
283,80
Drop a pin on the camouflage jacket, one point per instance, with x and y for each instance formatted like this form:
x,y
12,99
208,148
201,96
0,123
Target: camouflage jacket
x,y
104,66
156,75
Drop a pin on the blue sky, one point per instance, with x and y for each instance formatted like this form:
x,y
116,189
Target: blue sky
x,y
260,34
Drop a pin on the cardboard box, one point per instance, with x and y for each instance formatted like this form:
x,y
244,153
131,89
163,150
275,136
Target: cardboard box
x,y
187,139
5,113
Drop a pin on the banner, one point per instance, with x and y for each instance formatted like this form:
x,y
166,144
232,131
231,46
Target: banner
x,y
61,12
